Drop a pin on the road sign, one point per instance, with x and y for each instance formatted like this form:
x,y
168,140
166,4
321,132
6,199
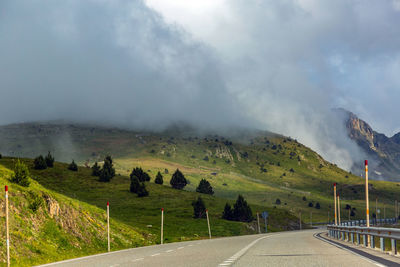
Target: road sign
x,y
264,214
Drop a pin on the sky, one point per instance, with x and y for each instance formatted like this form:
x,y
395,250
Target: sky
x,y
275,65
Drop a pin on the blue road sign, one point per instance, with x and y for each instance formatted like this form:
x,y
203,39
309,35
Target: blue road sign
x,y
264,214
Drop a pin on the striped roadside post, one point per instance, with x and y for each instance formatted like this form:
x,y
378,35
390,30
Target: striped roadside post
x,y
367,200
162,225
7,229
208,223
334,196
108,226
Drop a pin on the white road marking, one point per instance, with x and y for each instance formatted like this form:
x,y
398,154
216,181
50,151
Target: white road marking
x,y
168,251
115,265
190,246
241,252
155,254
137,259
180,247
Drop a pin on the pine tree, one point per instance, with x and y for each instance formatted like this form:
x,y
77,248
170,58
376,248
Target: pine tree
x,y
135,184
228,213
242,211
21,174
73,166
205,187
140,174
40,163
96,170
142,191
178,180
107,171
159,178
49,160
199,208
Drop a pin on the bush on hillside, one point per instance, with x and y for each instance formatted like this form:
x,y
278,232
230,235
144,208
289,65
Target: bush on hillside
x,y
199,208
317,206
278,201
96,170
178,180
140,174
35,201
107,171
49,160
228,213
205,187
21,174
135,184
142,191
310,204
72,166
39,163
159,178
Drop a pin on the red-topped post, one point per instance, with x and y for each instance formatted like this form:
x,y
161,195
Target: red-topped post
x,y
334,196
162,225
7,229
108,226
367,198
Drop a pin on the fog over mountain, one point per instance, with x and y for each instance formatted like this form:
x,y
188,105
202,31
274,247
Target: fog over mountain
x,y
275,65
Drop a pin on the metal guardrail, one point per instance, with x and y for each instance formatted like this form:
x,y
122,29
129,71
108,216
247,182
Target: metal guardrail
x,y
353,234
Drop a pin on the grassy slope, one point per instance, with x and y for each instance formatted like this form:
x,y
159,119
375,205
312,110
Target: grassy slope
x,y
84,197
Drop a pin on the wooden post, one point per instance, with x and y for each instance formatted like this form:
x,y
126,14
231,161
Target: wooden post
x,y
258,223
108,226
349,213
311,218
300,220
7,229
162,225
334,196
338,201
208,223
328,217
367,200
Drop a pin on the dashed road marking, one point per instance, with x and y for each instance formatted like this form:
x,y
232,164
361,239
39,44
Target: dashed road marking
x,y
155,254
190,246
137,259
180,247
168,251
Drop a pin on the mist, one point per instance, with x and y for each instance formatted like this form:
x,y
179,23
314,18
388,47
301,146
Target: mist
x,y
273,65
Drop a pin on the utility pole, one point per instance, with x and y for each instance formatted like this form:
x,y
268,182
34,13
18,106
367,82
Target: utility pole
x,y
334,196
108,226
367,199
338,200
7,229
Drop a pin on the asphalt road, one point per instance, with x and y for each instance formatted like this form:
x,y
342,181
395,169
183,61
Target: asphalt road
x,y
297,248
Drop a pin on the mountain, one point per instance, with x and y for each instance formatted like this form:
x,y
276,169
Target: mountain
x,y
383,151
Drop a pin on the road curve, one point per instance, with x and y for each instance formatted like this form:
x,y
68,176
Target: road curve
x,y
296,248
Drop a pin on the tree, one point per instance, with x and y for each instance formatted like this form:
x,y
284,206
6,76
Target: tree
x,y
1,156
140,174
142,191
310,204
135,184
178,180
107,171
72,166
278,201
317,206
159,178
96,170
205,187
242,211
49,160
228,213
304,199
21,174
199,208
40,163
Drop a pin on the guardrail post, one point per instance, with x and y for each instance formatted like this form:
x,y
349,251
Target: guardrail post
x,y
372,241
382,244
365,240
394,246
352,238
358,239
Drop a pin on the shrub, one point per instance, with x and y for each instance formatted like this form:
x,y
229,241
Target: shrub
x,y
142,191
178,180
35,201
49,160
304,199
278,201
135,184
140,174
159,178
205,158
21,174
166,171
72,166
242,211
96,170
291,170
107,171
1,156
317,206
228,213
39,163
199,208
205,187
310,204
